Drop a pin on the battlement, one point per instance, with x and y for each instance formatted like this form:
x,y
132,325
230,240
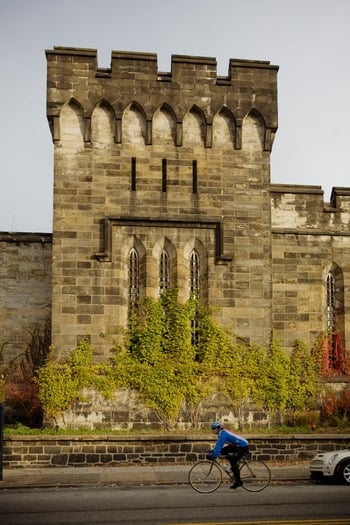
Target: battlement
x,y
73,74
301,209
133,64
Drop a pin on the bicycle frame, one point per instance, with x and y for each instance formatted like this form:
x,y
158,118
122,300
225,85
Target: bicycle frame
x,y
207,476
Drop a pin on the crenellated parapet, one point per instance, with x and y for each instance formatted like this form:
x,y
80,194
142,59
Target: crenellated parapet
x,y
133,80
301,210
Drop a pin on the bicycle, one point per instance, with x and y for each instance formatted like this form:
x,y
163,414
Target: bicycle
x,y
206,476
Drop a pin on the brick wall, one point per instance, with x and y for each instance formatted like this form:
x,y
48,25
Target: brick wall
x,y
20,451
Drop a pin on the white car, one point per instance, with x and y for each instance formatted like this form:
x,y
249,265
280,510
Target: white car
x,y
332,466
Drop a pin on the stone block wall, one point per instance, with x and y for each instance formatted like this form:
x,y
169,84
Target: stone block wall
x,y
151,160
309,238
58,451
25,289
179,161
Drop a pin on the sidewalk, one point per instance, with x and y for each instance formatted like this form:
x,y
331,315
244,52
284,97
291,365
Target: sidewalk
x,y
124,475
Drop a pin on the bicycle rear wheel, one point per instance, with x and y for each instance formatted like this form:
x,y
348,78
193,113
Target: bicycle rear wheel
x,y
255,476
205,476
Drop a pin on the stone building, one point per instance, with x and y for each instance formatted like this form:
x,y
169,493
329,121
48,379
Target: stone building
x,y
162,180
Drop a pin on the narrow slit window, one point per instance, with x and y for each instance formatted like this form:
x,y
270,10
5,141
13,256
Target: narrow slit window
x,y
194,176
133,174
164,175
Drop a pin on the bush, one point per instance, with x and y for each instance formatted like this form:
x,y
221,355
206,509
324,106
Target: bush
x,y
21,391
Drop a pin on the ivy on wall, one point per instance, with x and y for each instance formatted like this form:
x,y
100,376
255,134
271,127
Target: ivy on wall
x,y
175,356
62,383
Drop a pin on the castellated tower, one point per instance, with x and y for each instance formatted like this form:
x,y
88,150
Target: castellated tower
x,y
161,180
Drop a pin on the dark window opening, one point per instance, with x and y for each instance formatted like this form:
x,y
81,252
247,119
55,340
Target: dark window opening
x,y
164,175
164,271
194,291
134,281
335,359
194,176
133,174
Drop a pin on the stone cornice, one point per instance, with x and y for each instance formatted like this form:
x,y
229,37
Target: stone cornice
x,y
109,222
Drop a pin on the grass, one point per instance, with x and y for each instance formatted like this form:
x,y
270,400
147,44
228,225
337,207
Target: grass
x,y
21,430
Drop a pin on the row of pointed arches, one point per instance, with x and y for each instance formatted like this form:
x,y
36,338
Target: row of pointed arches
x,y
103,127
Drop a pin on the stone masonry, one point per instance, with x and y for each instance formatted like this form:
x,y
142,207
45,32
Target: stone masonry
x,y
25,289
149,161
309,238
152,160
58,451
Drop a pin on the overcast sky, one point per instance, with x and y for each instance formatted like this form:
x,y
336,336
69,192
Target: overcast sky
x,y
308,39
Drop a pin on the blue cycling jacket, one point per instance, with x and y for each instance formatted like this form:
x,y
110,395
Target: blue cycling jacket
x,y
226,437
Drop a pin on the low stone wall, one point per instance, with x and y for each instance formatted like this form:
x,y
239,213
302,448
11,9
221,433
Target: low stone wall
x,y
54,451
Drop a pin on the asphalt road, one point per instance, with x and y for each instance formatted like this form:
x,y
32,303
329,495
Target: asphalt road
x,y
154,505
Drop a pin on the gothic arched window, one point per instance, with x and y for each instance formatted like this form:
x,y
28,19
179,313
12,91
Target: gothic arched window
x,y
331,304
194,274
164,271
195,291
134,280
336,355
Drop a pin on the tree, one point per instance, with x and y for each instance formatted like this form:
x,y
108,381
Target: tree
x,y
213,349
172,355
21,389
272,391
240,372
303,385
157,358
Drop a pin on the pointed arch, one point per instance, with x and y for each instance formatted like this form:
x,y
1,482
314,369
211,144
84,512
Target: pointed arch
x,y
330,302
195,284
335,315
334,297
134,124
196,255
102,125
133,280
164,253
72,124
194,127
253,131
136,269
164,270
164,126
224,128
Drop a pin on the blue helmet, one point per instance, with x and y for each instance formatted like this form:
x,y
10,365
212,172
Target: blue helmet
x,y
216,425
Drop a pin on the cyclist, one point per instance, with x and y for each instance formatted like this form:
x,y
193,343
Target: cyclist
x,y
231,445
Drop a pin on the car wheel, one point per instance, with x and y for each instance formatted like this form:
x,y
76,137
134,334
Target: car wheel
x,y
344,472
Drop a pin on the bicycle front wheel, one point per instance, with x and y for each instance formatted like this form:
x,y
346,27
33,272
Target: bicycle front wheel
x,y
255,476
205,476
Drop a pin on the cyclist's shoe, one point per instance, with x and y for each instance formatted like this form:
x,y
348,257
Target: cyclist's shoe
x,y
236,484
